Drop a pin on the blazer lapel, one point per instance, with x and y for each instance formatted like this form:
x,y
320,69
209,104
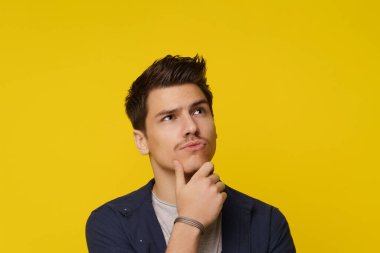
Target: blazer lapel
x,y
154,227
236,222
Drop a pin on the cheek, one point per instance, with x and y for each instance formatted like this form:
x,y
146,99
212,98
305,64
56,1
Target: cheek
x,y
212,132
162,145
212,139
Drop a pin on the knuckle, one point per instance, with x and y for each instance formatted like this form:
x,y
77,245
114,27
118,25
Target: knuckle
x,y
208,165
220,198
214,189
209,180
204,180
220,185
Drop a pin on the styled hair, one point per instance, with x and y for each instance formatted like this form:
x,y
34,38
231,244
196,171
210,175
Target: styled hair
x,y
166,72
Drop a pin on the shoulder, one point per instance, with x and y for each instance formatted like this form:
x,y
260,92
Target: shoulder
x,y
257,208
106,224
240,200
267,223
130,201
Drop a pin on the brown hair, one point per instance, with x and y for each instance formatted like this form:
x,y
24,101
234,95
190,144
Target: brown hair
x,y
166,72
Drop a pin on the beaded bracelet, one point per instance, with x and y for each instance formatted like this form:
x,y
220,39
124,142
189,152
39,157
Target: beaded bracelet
x,y
191,222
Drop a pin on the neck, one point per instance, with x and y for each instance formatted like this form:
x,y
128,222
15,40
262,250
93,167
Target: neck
x,y
165,183
164,189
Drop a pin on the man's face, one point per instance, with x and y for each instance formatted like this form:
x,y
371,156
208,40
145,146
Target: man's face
x,y
179,126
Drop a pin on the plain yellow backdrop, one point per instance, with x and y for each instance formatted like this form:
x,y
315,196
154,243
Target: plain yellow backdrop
x,y
296,86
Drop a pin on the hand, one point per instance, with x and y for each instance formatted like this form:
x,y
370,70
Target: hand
x,y
202,197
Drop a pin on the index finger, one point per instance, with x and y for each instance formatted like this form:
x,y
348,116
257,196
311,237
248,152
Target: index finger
x,y
179,174
205,170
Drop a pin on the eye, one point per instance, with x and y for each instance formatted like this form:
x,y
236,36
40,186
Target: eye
x,y
167,118
199,111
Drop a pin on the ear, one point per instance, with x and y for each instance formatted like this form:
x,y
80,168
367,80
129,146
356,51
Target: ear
x,y
141,142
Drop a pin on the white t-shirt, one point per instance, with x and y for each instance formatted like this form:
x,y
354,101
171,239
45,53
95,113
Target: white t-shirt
x,y
211,240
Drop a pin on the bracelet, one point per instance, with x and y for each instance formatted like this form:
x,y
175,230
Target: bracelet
x,y
191,222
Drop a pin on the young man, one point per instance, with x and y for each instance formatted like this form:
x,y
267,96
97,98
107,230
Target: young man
x,y
185,208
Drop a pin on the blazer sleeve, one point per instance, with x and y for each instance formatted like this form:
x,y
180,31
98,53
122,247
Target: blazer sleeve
x,y
281,240
104,233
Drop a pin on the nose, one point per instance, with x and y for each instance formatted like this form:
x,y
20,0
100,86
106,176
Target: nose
x,y
190,126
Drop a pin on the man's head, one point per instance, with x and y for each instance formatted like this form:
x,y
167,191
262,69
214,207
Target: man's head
x,y
170,106
166,72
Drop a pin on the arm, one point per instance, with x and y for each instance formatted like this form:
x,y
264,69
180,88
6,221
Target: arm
x,y
184,238
200,199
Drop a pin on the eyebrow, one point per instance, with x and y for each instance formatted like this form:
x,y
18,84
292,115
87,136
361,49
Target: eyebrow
x,y
171,111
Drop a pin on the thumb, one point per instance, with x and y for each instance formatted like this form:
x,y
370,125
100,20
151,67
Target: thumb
x,y
179,174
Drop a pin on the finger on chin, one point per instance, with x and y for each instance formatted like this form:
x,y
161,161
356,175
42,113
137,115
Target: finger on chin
x,y
205,170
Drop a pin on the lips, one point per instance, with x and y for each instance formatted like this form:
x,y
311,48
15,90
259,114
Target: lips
x,y
193,145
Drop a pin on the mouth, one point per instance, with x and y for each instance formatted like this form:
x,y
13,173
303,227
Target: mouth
x,y
193,145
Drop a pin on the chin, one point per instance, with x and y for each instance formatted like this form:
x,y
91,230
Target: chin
x,y
191,170
193,164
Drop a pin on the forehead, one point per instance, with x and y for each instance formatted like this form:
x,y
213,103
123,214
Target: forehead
x,y
173,97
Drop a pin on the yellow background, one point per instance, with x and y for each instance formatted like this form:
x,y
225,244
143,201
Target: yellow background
x,y
296,87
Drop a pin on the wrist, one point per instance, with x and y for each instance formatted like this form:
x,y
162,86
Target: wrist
x,y
190,222
184,238
187,231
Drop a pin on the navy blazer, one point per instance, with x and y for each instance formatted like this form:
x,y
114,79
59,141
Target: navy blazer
x,y
129,224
